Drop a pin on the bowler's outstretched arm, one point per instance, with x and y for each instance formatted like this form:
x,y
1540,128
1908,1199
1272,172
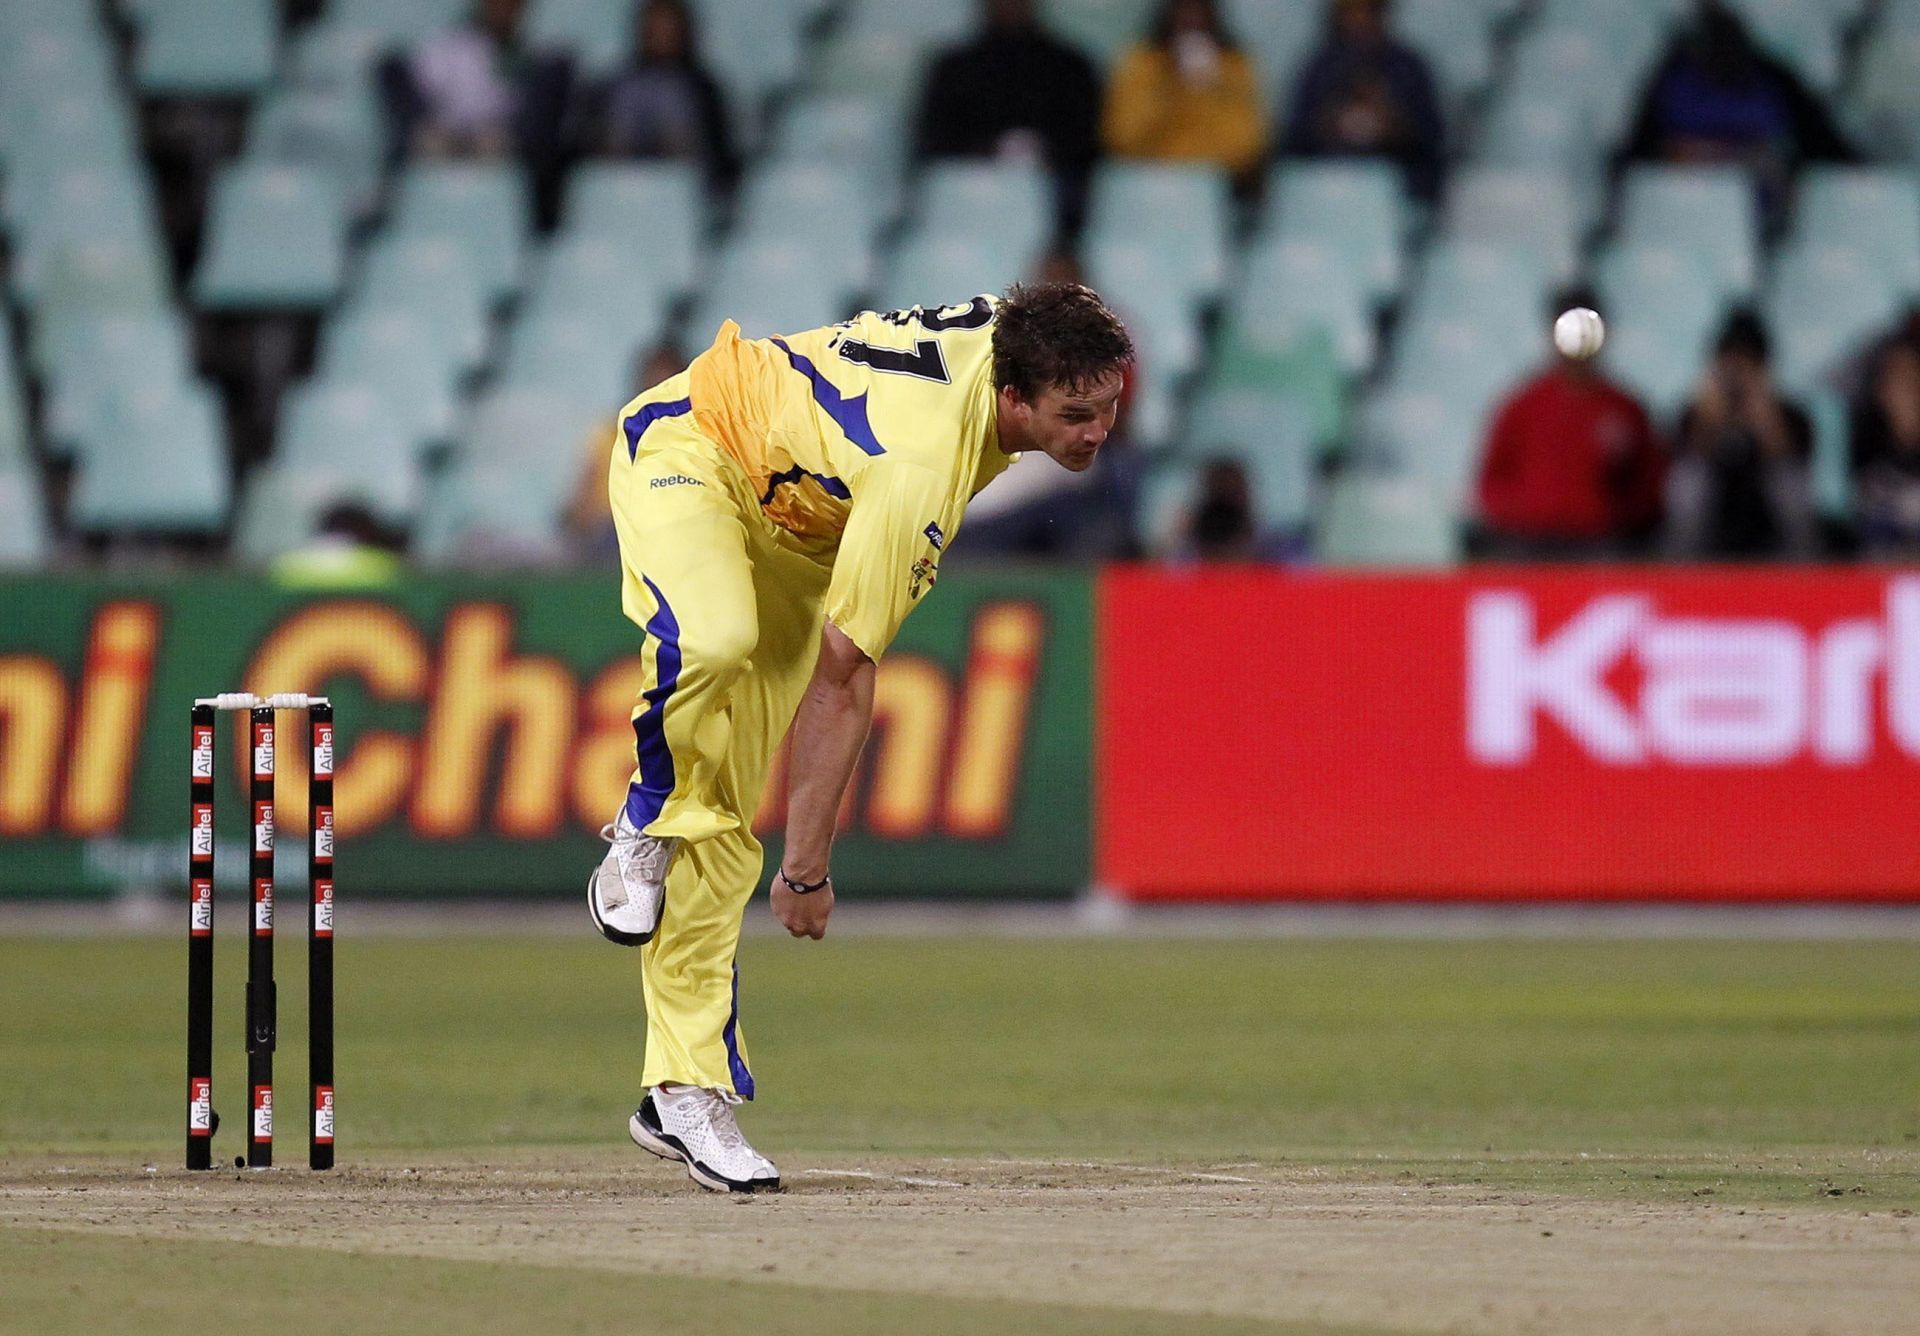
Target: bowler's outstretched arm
x,y
828,731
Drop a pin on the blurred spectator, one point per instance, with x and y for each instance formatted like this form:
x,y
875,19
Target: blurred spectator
x,y
1015,91
664,103
1363,93
1716,97
1739,486
1572,467
350,549
587,525
1221,525
1187,94
1885,450
480,91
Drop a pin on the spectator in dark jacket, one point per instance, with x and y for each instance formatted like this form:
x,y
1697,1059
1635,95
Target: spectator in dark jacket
x,y
664,103
1363,93
1739,485
1572,468
1015,90
1718,98
481,91
1885,450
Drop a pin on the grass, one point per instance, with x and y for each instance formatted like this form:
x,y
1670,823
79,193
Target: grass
x,y
1748,1072
1516,1058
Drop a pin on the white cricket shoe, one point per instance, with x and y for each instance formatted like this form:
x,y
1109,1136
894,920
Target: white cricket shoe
x,y
625,892
696,1127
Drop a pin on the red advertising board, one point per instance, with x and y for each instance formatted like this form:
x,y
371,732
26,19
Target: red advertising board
x,y
1510,733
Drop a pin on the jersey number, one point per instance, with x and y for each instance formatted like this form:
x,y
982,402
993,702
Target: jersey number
x,y
923,363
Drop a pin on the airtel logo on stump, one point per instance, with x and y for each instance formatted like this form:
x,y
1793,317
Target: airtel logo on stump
x,y
1717,691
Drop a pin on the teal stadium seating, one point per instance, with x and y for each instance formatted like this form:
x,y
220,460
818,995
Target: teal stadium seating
x,y
206,47
156,463
276,239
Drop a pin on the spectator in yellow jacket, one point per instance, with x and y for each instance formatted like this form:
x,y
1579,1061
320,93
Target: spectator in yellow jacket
x,y
1187,94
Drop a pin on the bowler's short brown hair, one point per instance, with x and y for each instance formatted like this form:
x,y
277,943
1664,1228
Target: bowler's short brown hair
x,y
1056,335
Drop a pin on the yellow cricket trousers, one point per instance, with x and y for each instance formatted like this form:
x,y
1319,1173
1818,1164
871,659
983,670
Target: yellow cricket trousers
x,y
731,607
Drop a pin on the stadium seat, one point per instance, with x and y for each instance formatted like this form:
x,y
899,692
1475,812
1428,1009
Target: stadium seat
x,y
1463,367
1875,212
1287,286
109,274
531,427
348,441
756,51
1596,62
61,130
769,286
427,275
1160,314
158,464
930,270
1824,303
932,21
819,204
1272,437
1529,208
1802,33
276,239
88,360
1100,28
509,511
1372,520
1304,369
1356,207
577,357
398,21
207,47
656,211
13,409
1884,106
1709,210
1458,43
846,131
882,67
279,510
1168,494
483,207
1663,307
958,196
1831,467
599,33
1181,211
23,521
339,132
1501,289
71,208
336,58
403,356
607,277
1428,434
1277,38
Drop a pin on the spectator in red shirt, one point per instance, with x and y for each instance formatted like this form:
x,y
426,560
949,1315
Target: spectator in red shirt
x,y
1573,469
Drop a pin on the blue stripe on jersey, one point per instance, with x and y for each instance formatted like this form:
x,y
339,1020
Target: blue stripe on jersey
x,y
645,799
736,1067
636,426
850,415
833,486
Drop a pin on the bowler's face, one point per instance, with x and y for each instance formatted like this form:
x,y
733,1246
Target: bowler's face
x,y
1070,425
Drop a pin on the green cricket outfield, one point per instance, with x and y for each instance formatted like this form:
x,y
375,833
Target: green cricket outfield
x,y
1034,1134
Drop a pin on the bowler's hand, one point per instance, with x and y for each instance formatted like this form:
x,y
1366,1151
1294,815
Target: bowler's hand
x,y
802,915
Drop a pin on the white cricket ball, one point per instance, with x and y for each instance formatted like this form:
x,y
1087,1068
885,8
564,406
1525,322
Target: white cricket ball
x,y
1579,333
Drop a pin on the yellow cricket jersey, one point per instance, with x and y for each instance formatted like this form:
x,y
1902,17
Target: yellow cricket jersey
x,y
871,434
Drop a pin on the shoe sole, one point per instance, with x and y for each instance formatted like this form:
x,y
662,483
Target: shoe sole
x,y
668,1147
611,933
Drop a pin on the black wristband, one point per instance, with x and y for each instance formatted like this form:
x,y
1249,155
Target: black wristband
x,y
803,887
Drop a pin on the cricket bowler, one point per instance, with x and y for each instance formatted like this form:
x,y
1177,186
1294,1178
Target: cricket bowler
x,y
781,506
